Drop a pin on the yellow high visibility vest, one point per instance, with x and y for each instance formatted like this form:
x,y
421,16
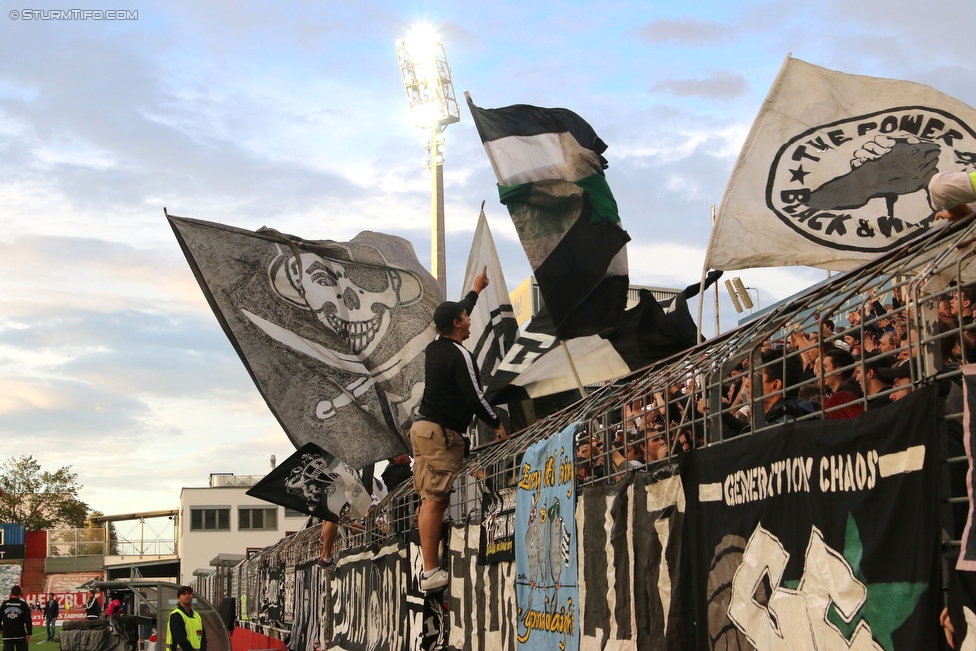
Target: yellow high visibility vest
x,y
193,625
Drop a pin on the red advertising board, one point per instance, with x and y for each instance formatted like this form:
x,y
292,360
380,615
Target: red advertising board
x,y
58,583
71,606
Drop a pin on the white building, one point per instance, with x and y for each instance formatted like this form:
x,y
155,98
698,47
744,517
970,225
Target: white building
x,y
221,519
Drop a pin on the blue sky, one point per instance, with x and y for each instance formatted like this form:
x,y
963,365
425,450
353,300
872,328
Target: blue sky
x,y
295,117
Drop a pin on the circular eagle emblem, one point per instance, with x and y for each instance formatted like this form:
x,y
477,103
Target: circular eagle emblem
x,y
861,184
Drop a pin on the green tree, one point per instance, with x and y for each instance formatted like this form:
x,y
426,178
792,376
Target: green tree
x,y
38,498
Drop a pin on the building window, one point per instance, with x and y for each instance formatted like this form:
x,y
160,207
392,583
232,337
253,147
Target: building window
x,y
252,519
292,513
210,519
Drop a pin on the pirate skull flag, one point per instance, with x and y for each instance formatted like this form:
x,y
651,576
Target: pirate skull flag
x,y
314,482
820,534
835,170
332,333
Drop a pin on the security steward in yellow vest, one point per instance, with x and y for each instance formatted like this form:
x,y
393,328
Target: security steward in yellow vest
x,y
184,631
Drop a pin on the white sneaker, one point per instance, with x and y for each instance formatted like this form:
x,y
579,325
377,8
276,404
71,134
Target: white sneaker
x,y
329,566
436,581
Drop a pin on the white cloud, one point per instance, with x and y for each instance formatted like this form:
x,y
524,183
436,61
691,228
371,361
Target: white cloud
x,y
295,118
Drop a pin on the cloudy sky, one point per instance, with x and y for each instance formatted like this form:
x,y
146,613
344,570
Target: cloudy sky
x,y
294,117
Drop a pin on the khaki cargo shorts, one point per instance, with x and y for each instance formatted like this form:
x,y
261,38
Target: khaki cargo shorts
x,y
436,461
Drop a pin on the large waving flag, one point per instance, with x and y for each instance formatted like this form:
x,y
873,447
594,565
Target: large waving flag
x,y
493,325
835,170
332,333
538,365
550,176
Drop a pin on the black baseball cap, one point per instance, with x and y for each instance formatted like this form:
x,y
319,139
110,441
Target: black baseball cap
x,y
893,373
447,311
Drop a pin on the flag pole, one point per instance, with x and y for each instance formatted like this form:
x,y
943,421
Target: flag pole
x,y
718,326
701,303
579,384
701,286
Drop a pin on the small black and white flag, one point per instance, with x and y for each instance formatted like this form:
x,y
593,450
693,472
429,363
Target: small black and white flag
x,y
493,325
314,482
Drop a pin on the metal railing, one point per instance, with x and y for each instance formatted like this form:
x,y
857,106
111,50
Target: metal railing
x,y
715,392
128,538
696,398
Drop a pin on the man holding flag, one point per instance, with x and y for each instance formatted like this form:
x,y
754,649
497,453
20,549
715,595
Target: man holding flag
x,y
452,396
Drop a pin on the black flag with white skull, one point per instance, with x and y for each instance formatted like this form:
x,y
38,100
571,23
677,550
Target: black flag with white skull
x,y
820,534
332,333
314,482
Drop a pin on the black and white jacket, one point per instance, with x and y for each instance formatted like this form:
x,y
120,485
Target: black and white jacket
x,y
16,619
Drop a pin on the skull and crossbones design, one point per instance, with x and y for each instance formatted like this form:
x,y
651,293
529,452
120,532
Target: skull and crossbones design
x,y
354,294
315,481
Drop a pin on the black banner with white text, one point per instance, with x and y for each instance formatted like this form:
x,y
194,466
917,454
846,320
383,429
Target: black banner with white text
x,y
819,535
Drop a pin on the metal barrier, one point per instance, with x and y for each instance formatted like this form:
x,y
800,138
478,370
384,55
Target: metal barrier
x,y
714,392
723,388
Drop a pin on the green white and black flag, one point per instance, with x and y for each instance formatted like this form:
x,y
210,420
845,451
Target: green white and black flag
x,y
549,168
820,534
332,333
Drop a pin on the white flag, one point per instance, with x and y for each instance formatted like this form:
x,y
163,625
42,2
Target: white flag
x,y
493,325
835,170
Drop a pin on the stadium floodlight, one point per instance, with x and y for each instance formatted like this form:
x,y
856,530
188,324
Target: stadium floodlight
x,y
433,106
735,299
743,292
740,295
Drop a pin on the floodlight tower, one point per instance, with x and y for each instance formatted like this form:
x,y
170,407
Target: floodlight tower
x,y
430,95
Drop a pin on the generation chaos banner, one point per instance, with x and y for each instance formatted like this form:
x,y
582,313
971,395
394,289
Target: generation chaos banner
x,y
820,535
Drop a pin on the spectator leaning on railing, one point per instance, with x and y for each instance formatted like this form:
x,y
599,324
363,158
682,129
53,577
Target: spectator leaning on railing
x,y
951,194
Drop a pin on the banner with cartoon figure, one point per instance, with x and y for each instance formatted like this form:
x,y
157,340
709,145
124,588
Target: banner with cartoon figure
x,y
546,587
497,543
820,535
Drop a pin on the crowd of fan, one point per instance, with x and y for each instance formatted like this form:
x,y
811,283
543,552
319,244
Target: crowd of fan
x,y
820,372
